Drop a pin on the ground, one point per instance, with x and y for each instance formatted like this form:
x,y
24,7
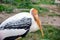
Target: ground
x,y
50,33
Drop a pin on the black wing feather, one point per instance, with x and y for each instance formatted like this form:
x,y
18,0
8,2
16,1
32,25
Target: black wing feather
x,y
24,23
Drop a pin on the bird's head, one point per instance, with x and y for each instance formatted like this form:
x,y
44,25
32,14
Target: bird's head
x,y
34,13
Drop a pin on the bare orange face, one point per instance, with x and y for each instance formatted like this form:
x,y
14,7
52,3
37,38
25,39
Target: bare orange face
x,y
34,12
36,17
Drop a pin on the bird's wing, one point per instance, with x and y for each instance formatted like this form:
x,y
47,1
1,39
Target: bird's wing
x,y
23,23
18,27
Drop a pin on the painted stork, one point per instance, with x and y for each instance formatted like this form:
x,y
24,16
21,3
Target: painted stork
x,y
19,25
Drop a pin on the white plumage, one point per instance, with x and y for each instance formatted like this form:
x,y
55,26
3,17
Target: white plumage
x,y
13,32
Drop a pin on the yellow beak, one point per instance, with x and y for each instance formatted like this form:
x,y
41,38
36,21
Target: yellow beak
x,y
39,23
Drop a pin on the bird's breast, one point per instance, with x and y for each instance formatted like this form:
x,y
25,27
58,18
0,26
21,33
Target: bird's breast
x,y
34,27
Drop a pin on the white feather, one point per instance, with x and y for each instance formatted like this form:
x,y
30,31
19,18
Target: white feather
x,y
18,16
34,27
11,32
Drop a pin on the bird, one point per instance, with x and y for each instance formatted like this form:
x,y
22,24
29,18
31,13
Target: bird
x,y
20,25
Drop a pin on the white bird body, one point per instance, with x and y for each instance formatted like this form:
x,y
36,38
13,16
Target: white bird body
x,y
14,32
19,16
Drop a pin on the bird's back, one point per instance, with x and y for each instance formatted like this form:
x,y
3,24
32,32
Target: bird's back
x,y
18,16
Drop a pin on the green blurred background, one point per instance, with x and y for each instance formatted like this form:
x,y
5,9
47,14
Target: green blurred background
x,y
46,8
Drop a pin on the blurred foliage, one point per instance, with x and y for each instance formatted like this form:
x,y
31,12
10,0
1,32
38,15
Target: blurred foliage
x,y
40,9
50,33
54,14
13,2
7,9
8,1
26,4
47,1
2,8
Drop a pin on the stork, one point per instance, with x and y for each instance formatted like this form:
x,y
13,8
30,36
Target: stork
x,y
20,24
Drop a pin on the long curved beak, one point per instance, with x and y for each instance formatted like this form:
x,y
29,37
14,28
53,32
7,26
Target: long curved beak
x,y
39,24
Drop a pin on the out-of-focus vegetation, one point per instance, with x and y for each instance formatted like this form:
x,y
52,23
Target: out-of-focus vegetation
x,y
47,2
26,4
51,33
54,14
2,8
7,9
